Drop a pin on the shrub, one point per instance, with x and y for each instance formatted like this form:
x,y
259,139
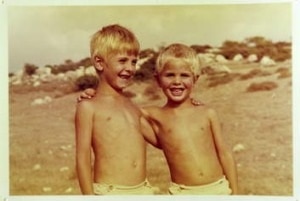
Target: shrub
x,y
283,73
152,92
86,81
147,70
200,48
263,86
253,73
146,53
216,80
30,69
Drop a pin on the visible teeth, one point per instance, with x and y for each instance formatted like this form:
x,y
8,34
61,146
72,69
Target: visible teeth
x,y
176,91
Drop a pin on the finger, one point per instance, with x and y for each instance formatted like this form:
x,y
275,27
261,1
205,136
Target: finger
x,y
85,96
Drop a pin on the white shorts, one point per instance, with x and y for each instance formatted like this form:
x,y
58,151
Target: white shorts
x,y
143,188
220,187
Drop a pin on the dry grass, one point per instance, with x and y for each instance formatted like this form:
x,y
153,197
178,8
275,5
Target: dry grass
x,y
42,138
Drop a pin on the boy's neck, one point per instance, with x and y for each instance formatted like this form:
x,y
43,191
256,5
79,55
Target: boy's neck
x,y
105,90
178,105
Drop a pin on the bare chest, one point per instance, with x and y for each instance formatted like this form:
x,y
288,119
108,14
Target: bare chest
x,y
116,121
183,125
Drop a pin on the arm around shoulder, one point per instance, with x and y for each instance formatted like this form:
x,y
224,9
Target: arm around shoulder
x,y
148,128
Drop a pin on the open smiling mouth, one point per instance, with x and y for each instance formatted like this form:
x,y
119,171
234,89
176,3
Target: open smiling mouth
x,y
125,77
177,91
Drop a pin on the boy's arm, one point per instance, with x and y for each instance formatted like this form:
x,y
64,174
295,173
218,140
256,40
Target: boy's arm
x,y
148,130
83,128
225,154
86,94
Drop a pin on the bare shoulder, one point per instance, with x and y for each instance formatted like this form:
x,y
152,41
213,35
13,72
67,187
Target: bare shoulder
x,y
206,109
85,106
211,113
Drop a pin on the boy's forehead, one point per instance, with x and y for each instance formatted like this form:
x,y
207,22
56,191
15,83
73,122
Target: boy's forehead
x,y
177,64
177,68
125,55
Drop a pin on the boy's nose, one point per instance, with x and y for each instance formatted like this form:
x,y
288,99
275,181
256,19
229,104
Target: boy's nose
x,y
177,80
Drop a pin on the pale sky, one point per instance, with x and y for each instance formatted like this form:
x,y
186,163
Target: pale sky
x,y
44,35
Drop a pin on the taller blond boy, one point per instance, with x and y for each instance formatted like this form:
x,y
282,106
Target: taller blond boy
x,y
108,127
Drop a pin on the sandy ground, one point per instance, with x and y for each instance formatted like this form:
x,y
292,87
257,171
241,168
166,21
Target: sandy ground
x,y
41,137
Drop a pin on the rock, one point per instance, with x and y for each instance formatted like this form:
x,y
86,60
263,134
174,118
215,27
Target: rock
x,y
238,147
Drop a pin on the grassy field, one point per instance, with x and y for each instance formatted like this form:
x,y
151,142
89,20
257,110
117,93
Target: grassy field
x,y
42,142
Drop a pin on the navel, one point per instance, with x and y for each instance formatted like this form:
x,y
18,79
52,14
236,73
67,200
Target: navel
x,y
200,173
108,118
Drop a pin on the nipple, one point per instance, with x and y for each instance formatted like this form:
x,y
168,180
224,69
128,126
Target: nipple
x,y
134,164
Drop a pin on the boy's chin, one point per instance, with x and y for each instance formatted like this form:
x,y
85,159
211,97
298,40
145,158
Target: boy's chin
x,y
177,100
124,85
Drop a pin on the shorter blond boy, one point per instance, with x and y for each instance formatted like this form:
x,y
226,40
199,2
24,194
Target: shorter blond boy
x,y
189,135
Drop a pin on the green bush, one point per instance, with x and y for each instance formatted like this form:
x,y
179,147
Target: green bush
x,y
86,81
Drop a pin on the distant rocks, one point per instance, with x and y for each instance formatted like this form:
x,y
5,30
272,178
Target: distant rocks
x,y
238,148
41,101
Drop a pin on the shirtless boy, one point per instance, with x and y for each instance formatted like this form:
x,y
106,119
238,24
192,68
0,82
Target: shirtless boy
x,y
108,130
189,135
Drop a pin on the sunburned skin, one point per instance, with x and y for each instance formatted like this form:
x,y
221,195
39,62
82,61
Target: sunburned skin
x,y
194,162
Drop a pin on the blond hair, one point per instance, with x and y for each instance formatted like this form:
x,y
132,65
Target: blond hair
x,y
179,51
113,39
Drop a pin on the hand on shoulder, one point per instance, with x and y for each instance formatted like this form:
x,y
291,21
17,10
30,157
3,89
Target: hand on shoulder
x,y
197,102
86,94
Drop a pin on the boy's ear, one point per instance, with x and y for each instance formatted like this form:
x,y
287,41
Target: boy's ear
x,y
196,78
99,63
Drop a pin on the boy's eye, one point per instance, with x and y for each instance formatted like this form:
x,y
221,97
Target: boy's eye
x,y
185,75
123,60
169,74
134,62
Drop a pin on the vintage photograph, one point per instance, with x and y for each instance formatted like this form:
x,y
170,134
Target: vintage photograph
x,y
158,99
